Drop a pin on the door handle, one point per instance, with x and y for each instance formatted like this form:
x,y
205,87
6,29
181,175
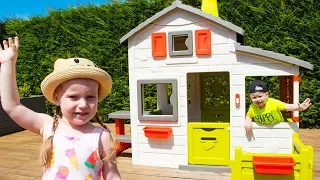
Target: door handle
x,y
217,115
208,129
209,139
237,101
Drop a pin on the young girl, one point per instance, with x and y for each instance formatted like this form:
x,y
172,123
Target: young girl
x,y
72,147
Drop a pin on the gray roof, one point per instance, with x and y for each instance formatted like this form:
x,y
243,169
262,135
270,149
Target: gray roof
x,y
178,4
273,55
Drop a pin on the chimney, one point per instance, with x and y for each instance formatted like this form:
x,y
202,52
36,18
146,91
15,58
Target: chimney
x,y
210,6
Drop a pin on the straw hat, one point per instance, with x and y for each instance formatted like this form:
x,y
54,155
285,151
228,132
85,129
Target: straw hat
x,y
73,68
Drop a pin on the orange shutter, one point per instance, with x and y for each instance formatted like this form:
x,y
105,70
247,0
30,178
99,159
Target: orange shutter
x,y
203,42
159,44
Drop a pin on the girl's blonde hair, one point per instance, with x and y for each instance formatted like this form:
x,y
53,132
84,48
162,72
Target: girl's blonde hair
x,y
46,154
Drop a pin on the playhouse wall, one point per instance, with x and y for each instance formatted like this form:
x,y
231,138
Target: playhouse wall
x,y
265,138
169,152
157,152
172,152
277,139
222,40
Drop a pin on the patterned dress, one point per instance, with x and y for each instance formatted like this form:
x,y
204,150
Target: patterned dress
x,y
75,158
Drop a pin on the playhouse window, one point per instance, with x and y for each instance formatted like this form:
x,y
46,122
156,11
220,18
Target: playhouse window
x,y
157,100
180,43
275,90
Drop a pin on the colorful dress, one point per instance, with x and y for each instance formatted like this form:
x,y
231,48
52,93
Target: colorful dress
x,y
75,157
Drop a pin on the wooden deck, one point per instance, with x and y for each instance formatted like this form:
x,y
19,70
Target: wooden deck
x,y
19,154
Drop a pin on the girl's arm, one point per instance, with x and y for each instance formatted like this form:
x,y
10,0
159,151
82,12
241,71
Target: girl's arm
x,y
10,99
298,107
110,169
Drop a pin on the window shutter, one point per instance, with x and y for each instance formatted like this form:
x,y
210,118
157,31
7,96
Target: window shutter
x,y
203,42
159,44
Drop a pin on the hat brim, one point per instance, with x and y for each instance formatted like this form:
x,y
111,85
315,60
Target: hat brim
x,y
53,80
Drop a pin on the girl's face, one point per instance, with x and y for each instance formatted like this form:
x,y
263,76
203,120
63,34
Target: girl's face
x,y
259,98
78,100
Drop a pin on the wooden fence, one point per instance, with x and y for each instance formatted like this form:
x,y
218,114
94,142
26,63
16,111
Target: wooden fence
x,y
8,126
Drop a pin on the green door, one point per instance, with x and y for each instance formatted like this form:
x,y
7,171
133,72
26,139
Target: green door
x,y
215,97
209,140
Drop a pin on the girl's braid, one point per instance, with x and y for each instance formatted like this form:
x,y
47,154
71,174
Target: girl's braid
x,y
57,115
97,118
46,150
113,141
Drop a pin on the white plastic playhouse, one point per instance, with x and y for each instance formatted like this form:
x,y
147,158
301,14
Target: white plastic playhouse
x,y
197,65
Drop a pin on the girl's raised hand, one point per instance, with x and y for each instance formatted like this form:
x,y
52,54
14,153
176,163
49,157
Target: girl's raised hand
x,y
9,52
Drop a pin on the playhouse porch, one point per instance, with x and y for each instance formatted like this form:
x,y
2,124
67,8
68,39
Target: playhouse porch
x,y
19,161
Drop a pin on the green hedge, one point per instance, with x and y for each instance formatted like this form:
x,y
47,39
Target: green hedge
x,y
286,26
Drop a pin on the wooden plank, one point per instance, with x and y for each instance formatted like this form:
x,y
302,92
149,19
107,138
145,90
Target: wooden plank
x,y
19,154
123,138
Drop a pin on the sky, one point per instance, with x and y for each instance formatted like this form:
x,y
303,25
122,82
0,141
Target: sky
x,y
27,8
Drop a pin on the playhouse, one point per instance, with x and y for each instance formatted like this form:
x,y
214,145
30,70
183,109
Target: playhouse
x,y
198,66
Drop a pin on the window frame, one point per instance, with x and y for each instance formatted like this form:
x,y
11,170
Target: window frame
x,y
189,43
146,117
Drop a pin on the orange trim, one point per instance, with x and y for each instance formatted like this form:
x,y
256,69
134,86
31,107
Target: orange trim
x,y
237,101
273,164
157,132
295,119
203,42
159,48
296,78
